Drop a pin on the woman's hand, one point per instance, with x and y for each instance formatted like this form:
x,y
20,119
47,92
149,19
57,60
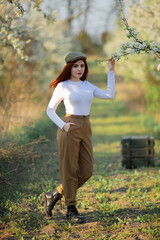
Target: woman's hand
x,y
67,126
111,64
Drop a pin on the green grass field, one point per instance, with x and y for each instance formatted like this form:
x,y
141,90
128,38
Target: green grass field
x,y
117,203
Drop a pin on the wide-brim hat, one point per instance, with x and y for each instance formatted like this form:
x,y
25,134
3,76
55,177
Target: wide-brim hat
x,y
73,56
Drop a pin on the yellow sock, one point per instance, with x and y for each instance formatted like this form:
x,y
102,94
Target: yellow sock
x,y
60,189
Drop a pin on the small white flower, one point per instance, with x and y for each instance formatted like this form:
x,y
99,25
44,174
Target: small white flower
x,y
136,45
132,28
19,51
158,67
125,45
115,56
128,35
155,48
19,13
155,45
3,29
144,45
128,44
135,34
28,41
9,36
121,51
132,51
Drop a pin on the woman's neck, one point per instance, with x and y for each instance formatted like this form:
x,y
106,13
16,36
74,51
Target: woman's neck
x,y
74,79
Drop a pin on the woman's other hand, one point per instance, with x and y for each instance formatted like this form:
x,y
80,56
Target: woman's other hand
x,y
67,126
111,64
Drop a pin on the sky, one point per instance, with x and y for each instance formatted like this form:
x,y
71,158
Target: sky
x,y
98,18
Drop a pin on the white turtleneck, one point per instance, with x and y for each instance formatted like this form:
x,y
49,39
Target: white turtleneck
x,y
77,97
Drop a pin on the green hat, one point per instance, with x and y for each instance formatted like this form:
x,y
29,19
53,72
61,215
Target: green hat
x,y
72,56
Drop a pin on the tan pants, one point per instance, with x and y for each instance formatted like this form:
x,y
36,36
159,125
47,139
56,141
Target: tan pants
x,y
75,156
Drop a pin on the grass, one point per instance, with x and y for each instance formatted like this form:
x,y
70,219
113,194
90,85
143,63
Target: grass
x,y
117,203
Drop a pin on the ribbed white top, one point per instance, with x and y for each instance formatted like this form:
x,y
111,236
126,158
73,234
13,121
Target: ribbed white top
x,y
77,97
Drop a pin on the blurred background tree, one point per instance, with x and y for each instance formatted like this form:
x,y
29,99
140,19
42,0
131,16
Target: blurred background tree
x,y
34,40
32,46
142,15
36,35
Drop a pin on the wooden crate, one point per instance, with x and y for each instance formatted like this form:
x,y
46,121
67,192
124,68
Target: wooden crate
x,y
137,151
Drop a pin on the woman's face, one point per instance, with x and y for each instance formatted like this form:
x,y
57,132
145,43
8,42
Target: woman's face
x,y
77,70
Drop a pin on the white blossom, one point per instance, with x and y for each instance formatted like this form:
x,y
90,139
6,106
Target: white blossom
x,y
155,47
135,34
9,36
127,44
137,45
121,51
132,28
28,41
128,35
144,45
158,67
115,56
132,51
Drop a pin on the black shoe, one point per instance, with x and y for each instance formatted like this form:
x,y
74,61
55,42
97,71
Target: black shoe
x,y
73,215
50,199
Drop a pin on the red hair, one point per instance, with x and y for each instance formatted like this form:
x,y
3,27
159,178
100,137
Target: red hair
x,y
66,74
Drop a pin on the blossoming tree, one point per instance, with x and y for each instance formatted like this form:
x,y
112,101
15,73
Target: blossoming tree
x,y
32,47
136,45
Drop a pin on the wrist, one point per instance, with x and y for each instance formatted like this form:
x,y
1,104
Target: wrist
x,y
63,128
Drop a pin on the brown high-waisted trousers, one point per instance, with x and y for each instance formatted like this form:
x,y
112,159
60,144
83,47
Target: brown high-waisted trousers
x,y
75,156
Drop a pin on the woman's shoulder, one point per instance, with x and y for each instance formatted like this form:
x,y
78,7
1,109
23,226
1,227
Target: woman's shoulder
x,y
63,83
86,82
89,84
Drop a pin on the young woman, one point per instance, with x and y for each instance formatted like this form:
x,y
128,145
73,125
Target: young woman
x,y
74,132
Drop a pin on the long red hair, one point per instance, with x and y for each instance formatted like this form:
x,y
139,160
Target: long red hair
x,y
66,74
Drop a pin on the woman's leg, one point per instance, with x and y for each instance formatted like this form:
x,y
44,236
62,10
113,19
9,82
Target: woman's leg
x,y
76,161
68,148
85,164
85,158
